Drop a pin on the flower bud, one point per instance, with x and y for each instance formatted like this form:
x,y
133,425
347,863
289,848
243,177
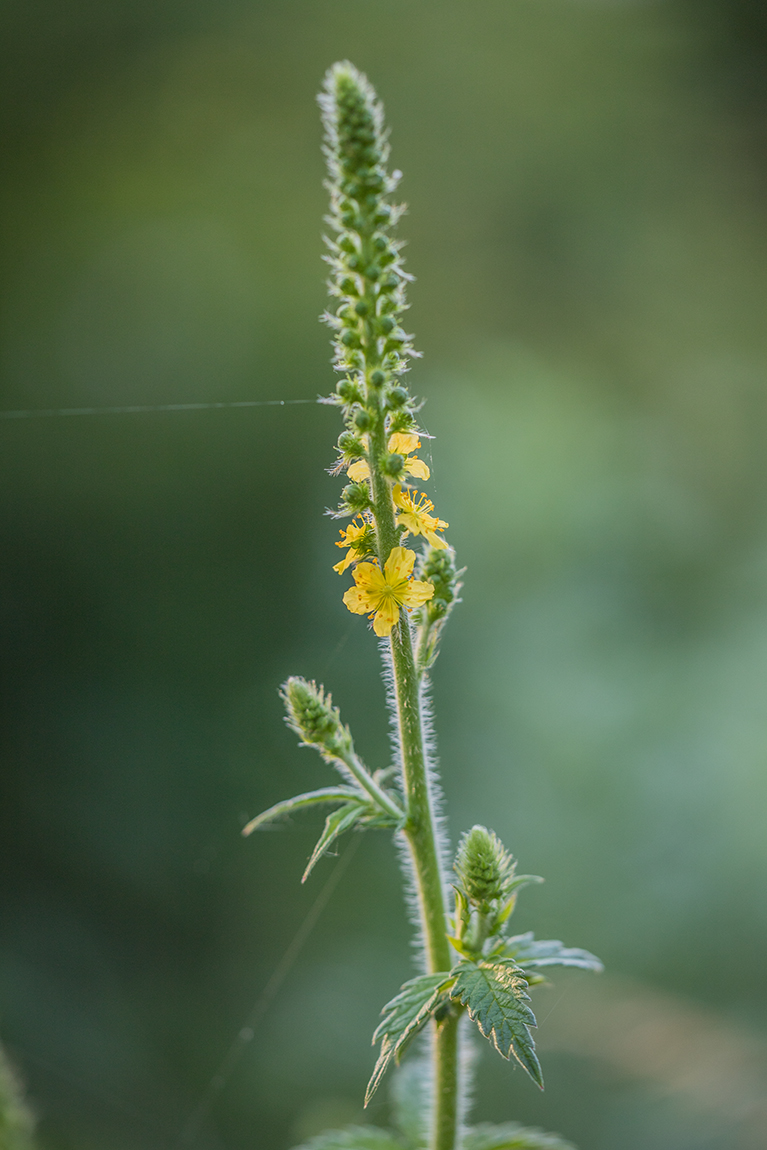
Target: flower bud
x,y
484,867
392,465
355,497
350,445
313,717
349,391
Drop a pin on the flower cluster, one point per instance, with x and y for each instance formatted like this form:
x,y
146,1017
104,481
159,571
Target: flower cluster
x,y
372,351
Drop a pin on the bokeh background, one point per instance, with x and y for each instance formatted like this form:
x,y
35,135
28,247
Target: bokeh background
x,y
588,226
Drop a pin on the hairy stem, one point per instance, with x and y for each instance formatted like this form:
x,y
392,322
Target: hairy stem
x,y
420,827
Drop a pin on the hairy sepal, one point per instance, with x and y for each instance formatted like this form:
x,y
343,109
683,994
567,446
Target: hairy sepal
x,y
406,1014
494,994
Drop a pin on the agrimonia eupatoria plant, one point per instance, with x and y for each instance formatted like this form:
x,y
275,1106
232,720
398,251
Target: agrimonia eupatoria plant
x,y
472,967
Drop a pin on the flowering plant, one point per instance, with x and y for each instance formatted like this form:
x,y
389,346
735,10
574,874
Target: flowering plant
x,y
472,968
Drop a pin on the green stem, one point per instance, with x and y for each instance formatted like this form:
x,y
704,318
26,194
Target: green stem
x,y
420,827
367,781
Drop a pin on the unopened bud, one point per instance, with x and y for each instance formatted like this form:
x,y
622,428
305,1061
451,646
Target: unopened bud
x,y
484,867
313,717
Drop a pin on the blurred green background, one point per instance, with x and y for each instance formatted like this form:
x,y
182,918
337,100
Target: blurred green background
x,y
588,226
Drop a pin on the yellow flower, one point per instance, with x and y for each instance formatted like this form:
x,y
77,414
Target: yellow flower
x,y
415,515
384,592
352,538
358,470
403,443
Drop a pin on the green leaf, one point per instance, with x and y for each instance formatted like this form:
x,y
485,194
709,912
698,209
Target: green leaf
x,y
335,825
530,953
494,995
404,1016
353,1138
511,1136
311,799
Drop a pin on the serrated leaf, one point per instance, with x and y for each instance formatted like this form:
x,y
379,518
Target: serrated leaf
x,y
406,1014
511,1136
353,1138
527,951
494,995
311,799
335,825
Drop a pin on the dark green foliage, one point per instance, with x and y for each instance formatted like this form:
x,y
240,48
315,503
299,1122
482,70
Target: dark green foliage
x,y
511,1136
494,995
406,1014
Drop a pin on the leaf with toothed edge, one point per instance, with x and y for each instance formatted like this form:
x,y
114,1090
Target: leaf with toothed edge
x,y
531,953
494,995
406,1014
335,825
324,796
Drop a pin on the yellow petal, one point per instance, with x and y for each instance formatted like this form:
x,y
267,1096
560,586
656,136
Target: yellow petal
x,y
345,562
385,618
403,442
416,467
416,593
399,496
399,565
358,601
370,578
436,540
358,471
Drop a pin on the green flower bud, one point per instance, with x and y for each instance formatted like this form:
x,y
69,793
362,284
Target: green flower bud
x,y
363,420
313,717
350,445
377,378
397,396
392,465
484,867
387,324
357,152
355,497
402,421
348,390
362,307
